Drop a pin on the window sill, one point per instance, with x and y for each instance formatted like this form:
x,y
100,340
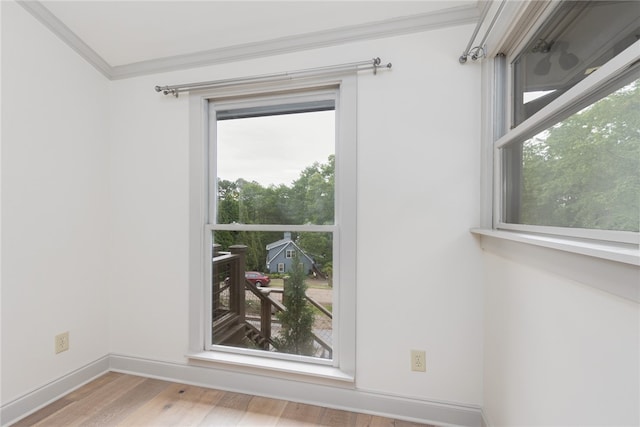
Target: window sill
x,y
614,268
283,368
628,254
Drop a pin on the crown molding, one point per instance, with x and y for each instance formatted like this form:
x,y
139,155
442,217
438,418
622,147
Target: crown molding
x,y
52,22
392,27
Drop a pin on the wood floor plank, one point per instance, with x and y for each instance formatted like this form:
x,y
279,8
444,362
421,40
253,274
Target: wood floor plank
x,y
127,400
337,418
299,414
127,403
178,404
68,399
91,387
263,411
364,420
402,423
43,413
228,411
79,410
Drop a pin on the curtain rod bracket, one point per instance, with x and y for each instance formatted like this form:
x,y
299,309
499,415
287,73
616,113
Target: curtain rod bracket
x,y
377,63
166,90
477,52
480,50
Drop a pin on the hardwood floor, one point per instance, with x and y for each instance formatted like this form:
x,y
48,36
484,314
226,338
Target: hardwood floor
x,y
125,400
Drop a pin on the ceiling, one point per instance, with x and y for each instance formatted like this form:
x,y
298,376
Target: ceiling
x,y
124,34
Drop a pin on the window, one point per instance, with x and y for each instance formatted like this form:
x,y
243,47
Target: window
x,y
570,165
288,221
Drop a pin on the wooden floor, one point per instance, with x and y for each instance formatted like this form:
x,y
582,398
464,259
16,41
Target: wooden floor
x,y
125,400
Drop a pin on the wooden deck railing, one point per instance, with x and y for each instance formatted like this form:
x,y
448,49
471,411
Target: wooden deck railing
x,y
230,322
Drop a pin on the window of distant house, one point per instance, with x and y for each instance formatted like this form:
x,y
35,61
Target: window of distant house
x,y
275,216
570,164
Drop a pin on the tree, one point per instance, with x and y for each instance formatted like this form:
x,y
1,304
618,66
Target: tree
x,y
312,194
309,199
297,320
584,172
228,211
318,246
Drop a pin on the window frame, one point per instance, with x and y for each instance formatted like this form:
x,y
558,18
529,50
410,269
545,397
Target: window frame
x,y
202,210
579,96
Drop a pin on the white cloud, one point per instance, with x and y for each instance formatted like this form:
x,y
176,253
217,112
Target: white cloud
x,y
274,149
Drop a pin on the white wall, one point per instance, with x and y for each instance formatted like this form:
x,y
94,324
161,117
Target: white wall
x,y
419,269
54,206
94,236
557,352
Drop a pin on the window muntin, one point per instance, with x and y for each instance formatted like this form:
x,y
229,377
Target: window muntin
x,y
576,40
511,151
270,139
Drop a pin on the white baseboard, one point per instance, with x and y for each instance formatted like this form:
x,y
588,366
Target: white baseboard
x,y
42,396
346,398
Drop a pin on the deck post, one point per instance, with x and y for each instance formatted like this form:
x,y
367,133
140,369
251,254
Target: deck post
x,y
237,278
265,319
215,291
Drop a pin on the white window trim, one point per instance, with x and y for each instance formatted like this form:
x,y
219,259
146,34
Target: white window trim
x,y
201,211
618,251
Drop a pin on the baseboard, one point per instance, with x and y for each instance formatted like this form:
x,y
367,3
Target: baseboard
x,y
350,399
42,396
346,398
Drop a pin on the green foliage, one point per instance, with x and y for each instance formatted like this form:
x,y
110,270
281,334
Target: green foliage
x,y
297,321
318,246
309,199
586,172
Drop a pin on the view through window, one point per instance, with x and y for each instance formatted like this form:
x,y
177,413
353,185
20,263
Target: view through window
x,y
272,272
584,172
572,166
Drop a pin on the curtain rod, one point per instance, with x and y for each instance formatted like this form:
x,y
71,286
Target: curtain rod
x,y
479,51
374,64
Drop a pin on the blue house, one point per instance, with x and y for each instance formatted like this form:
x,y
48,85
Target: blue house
x,y
280,255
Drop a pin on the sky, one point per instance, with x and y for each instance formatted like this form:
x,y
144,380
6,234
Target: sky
x,y
274,149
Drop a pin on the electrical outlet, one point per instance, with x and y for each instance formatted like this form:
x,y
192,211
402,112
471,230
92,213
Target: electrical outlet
x,y
418,361
62,342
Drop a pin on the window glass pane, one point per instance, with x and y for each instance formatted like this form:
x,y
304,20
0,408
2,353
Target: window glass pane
x,y
277,168
282,304
583,172
580,37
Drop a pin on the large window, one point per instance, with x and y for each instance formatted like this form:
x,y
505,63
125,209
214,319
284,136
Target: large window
x,y
570,164
278,213
274,163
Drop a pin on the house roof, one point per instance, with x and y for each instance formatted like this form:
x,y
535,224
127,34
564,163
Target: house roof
x,y
283,243
278,243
